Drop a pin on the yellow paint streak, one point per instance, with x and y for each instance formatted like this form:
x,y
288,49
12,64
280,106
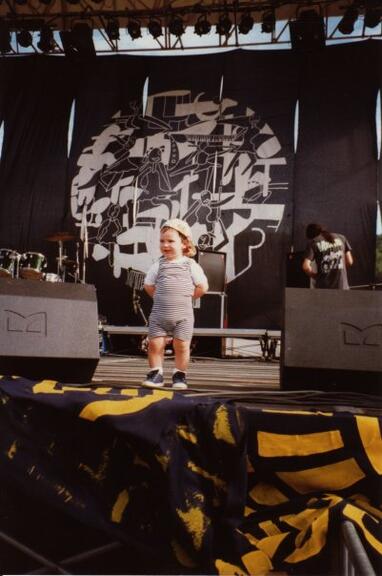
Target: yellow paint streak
x,y
100,473
196,523
184,432
218,482
248,511
102,390
257,563
129,392
120,506
46,387
315,543
304,519
263,493
357,516
270,544
12,450
95,410
181,555
335,476
164,460
226,569
294,412
369,431
269,528
363,502
271,445
251,538
222,429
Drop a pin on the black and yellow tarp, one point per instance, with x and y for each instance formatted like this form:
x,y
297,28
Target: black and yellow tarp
x,y
222,489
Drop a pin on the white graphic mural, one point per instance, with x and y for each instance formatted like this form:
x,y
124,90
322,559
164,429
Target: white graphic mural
x,y
213,164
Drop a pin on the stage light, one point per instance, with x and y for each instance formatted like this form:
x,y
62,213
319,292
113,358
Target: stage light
x,y
307,33
134,29
5,38
268,22
223,27
46,42
176,26
346,25
155,28
112,29
246,23
24,38
202,26
373,13
78,42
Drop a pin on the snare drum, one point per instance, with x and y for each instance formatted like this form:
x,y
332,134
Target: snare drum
x,y
51,277
32,265
8,262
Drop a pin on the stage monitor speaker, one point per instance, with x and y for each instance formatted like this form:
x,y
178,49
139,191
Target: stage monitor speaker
x,y
214,265
48,330
332,340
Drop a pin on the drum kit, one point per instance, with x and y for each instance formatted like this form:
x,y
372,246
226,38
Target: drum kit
x,y
33,265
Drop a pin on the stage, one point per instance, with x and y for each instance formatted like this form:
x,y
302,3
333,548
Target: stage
x,y
232,476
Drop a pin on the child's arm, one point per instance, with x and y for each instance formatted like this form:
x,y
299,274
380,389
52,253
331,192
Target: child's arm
x,y
150,279
149,289
199,279
200,290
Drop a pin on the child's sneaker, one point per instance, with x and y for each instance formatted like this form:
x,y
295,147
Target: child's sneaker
x,y
179,381
154,379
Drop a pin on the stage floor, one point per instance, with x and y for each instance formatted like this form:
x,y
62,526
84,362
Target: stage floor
x,y
249,382
205,375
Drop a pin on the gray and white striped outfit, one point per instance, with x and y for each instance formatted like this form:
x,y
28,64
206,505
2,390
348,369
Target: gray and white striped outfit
x,y
172,313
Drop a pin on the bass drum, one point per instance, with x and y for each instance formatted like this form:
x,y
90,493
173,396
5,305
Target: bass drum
x,y
32,265
8,263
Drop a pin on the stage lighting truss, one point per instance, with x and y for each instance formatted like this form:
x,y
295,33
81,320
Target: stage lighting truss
x,y
228,23
202,26
134,29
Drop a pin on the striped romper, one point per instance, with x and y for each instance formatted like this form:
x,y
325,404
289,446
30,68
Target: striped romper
x,y
172,313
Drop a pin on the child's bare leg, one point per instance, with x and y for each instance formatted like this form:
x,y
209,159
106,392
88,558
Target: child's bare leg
x,y
182,354
156,351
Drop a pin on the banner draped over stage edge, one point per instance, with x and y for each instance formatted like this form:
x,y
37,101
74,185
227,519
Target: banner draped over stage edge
x,y
214,488
214,144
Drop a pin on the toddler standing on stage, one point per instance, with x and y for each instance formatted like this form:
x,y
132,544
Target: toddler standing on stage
x,y
173,281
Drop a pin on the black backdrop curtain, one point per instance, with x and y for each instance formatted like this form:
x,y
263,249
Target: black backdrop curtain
x,y
37,104
214,145
264,85
108,113
336,164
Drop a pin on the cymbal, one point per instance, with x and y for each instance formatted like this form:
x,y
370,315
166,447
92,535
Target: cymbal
x,y
61,237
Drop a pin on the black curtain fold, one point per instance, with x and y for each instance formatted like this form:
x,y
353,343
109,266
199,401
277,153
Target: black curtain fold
x,y
336,164
264,86
33,163
101,171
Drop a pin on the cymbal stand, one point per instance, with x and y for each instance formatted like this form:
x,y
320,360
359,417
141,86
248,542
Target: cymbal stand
x,y
77,270
60,268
